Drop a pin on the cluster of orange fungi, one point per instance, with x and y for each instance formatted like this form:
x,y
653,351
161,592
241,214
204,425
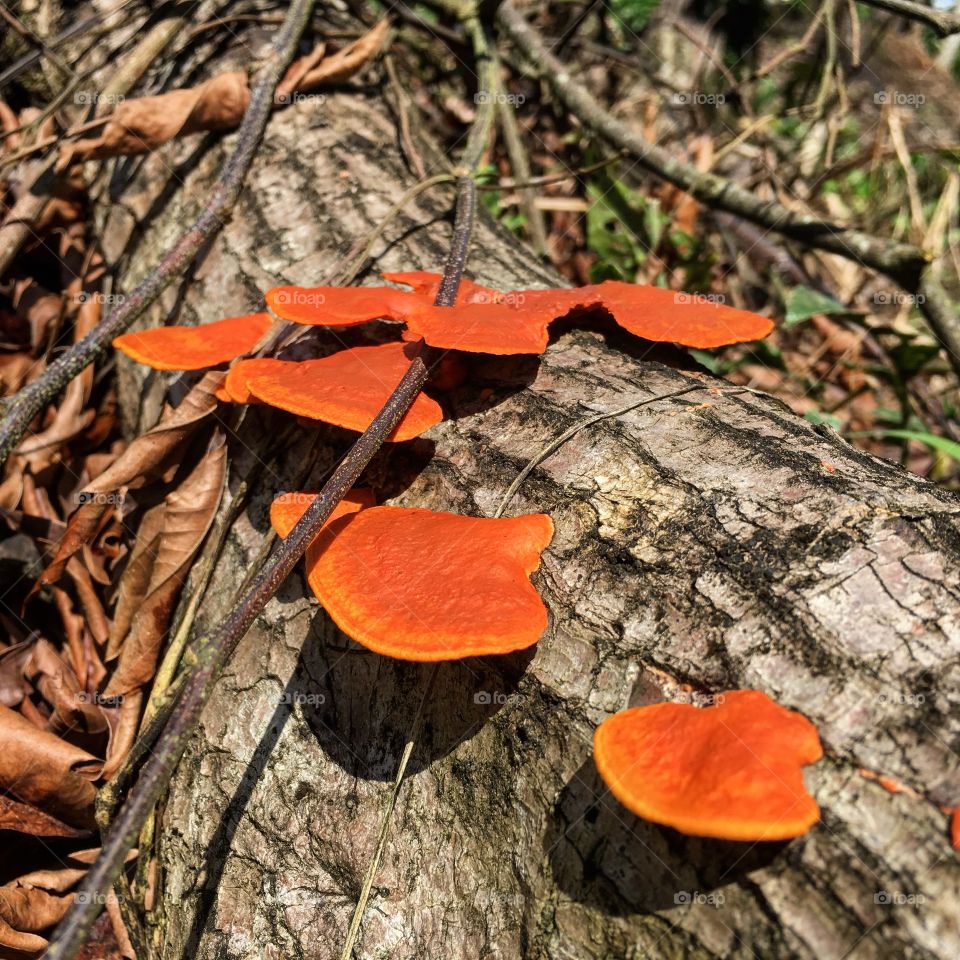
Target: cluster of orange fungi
x,y
406,583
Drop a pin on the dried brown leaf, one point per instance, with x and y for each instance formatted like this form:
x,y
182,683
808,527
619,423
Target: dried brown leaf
x,y
39,768
337,67
148,456
26,818
188,514
143,124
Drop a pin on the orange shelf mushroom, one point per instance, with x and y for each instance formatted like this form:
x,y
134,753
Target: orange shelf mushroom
x,y
414,584
193,348
732,770
955,829
485,320
347,388
287,509
341,306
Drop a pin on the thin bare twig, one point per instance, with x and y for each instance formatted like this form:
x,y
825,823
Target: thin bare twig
x,y
906,264
209,653
33,398
943,23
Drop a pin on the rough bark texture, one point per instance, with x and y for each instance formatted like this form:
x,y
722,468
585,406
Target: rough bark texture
x,y
713,540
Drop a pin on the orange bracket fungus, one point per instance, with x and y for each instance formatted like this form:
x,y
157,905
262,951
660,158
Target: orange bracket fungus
x,y
485,320
414,584
731,771
411,583
347,389
193,348
288,508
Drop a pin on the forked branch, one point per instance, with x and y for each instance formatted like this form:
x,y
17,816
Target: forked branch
x,y
209,653
32,399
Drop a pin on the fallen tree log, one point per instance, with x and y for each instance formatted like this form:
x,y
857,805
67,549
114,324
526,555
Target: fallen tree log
x,y
704,542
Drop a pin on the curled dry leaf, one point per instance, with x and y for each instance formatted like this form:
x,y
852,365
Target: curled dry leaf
x,y
70,420
25,818
188,512
145,123
125,734
347,388
41,769
733,770
193,348
418,585
36,901
312,71
73,716
148,456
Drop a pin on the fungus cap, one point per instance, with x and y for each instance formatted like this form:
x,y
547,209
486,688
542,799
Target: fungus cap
x,y
732,770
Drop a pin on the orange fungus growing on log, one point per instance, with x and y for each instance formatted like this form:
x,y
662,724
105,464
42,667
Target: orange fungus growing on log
x,y
193,348
288,508
347,388
418,585
732,770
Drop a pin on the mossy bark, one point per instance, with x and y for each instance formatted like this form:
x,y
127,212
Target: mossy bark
x,y
704,543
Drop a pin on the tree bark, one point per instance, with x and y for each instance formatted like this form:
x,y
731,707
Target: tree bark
x,y
705,542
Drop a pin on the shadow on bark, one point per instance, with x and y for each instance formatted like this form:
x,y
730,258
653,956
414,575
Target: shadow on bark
x,y
363,708
603,856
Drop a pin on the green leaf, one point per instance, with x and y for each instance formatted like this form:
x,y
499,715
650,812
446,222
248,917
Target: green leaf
x,y
911,355
804,303
950,447
815,416
616,229
634,13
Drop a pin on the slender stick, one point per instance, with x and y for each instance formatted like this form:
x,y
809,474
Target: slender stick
x,y
33,398
212,651
75,926
942,22
904,263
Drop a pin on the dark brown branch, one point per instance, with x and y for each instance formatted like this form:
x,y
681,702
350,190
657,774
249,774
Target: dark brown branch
x,y
211,652
942,22
31,400
907,265
74,928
